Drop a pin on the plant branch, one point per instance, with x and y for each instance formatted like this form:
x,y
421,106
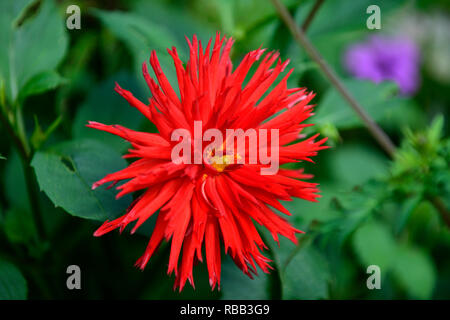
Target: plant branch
x,y
23,152
18,137
311,15
382,138
33,191
440,206
378,133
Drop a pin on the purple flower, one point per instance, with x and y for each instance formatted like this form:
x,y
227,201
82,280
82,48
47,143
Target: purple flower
x,y
384,58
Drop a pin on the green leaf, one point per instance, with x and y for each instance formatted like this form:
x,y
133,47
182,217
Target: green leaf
x,y
13,285
376,99
66,173
16,196
33,45
141,36
10,12
14,181
18,226
305,212
415,272
42,82
118,111
306,276
375,245
352,208
39,136
352,164
436,129
235,285
2,157
260,11
408,206
182,22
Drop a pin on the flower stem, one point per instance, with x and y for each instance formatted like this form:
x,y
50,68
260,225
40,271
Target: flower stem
x,y
440,206
382,138
18,136
33,192
311,15
378,133
23,152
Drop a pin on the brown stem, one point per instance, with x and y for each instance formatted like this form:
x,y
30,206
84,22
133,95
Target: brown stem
x,y
304,42
440,206
378,133
311,15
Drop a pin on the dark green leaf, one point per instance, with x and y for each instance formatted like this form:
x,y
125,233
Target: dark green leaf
x,y
14,182
141,36
13,285
104,105
66,173
42,82
306,276
18,226
182,22
236,285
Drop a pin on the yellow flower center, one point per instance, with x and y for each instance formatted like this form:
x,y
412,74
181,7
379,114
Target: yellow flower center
x,y
220,162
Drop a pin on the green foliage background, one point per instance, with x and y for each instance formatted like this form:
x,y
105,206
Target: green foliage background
x,y
373,211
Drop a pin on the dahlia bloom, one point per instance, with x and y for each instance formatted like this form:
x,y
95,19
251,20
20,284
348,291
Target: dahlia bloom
x,y
383,58
216,202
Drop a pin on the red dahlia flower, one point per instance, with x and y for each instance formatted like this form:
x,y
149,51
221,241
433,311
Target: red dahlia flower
x,y
209,203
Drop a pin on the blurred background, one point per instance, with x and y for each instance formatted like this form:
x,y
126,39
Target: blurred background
x,y
374,210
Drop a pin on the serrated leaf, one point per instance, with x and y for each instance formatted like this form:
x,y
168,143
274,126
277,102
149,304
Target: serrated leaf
x,y
352,209
34,46
66,173
13,285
